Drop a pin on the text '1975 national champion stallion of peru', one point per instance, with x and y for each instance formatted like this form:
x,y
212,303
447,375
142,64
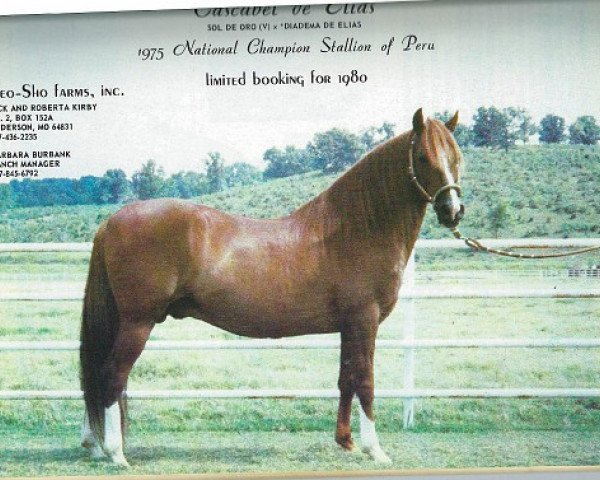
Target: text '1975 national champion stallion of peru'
x,y
333,265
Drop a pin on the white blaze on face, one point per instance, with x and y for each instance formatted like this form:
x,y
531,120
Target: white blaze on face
x,y
455,201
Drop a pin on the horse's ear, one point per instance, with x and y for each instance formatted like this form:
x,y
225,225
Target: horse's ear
x,y
418,121
453,122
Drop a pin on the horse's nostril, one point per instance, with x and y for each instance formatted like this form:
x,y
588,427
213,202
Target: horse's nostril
x,y
447,210
461,213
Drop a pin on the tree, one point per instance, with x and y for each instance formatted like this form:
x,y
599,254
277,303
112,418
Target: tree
x,y
520,126
373,136
196,182
215,172
552,129
6,200
498,217
490,128
388,130
53,191
462,134
21,192
584,131
240,174
335,150
148,182
115,186
502,128
89,189
186,184
284,163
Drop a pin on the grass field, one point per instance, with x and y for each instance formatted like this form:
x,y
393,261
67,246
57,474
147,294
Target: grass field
x,y
546,191
199,452
41,437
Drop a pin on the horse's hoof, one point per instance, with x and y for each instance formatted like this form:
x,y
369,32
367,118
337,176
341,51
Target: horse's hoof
x,y
96,452
120,461
346,444
351,448
378,455
94,449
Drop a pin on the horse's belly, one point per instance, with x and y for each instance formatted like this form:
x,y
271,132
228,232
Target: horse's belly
x,y
270,315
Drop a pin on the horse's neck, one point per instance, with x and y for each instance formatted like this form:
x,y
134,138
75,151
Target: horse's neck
x,y
374,201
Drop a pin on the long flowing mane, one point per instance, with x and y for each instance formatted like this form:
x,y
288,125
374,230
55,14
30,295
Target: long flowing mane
x,y
366,199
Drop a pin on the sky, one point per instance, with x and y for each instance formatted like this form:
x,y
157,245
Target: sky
x,y
539,55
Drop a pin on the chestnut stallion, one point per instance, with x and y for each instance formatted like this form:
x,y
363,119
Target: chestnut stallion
x,y
333,265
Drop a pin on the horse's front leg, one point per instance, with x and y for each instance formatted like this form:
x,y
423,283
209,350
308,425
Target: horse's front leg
x,y
356,376
368,435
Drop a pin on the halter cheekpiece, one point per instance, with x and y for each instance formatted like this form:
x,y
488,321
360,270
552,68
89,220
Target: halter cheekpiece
x,y
420,188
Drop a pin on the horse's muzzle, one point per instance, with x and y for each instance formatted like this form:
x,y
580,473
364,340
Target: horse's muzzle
x,y
449,214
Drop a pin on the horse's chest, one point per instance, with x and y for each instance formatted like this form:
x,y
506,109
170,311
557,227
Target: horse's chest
x,y
390,282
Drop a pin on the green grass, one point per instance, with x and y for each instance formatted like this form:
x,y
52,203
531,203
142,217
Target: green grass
x,y
200,452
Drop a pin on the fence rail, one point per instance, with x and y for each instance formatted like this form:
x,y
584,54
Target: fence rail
x,y
525,243
408,293
444,243
313,344
410,344
242,393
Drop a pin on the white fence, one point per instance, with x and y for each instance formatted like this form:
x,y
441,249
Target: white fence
x,y
409,393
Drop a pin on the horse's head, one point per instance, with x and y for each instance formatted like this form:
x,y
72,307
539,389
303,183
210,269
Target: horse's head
x,y
434,162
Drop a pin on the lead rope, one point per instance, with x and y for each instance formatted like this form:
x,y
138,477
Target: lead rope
x,y
477,246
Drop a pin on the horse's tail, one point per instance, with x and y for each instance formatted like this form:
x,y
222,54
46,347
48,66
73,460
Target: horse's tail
x,y
99,326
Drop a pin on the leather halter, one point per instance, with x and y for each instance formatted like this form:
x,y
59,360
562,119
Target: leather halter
x,y
420,188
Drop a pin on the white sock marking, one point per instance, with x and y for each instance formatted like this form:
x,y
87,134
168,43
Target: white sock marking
x,y
369,440
113,439
89,439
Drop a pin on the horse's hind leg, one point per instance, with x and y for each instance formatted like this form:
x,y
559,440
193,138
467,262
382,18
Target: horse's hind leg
x,y
343,433
89,439
130,342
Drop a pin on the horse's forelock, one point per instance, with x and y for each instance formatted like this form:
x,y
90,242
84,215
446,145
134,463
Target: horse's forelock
x,y
438,138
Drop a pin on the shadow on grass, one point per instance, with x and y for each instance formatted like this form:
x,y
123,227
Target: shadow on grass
x,y
148,459
41,455
242,456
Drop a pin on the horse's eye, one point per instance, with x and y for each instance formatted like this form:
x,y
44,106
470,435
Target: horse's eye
x,y
422,158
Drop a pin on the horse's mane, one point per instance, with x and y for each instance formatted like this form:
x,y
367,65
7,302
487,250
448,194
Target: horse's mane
x,y
365,199
375,195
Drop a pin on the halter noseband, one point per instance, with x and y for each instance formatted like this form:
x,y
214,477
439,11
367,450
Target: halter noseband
x,y
413,178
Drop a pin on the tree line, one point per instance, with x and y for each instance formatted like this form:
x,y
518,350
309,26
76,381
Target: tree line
x,y
331,151
504,128
150,181
335,150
